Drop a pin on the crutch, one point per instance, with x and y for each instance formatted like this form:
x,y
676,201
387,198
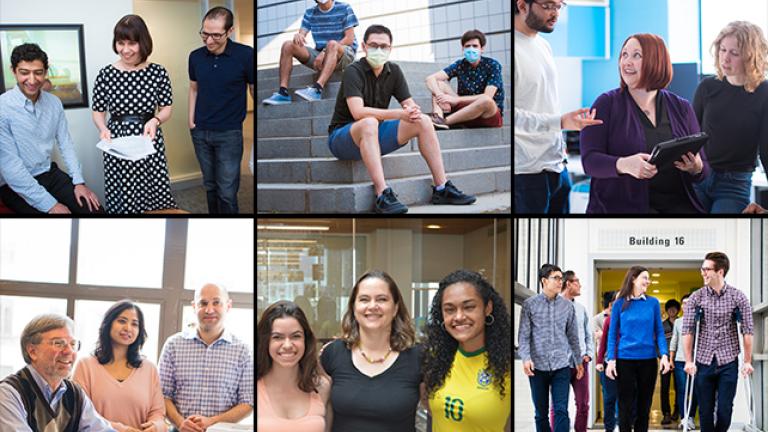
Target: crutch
x,y
748,389
689,378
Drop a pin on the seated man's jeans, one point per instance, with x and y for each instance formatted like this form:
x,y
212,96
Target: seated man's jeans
x,y
58,184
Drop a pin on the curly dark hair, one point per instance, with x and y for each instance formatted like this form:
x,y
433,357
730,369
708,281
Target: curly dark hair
x,y
104,351
441,346
28,52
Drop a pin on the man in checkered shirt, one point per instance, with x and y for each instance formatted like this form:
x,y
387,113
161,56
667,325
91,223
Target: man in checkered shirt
x,y
206,372
718,350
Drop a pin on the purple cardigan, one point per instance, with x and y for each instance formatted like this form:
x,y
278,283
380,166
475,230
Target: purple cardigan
x,y
622,134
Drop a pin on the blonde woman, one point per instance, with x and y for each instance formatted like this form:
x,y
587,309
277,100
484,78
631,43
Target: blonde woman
x,y
732,108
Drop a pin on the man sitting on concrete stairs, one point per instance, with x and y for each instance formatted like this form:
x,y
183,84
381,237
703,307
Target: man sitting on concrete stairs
x,y
355,132
480,100
332,25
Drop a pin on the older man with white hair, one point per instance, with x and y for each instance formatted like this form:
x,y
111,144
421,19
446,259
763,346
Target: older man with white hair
x,y
206,373
40,397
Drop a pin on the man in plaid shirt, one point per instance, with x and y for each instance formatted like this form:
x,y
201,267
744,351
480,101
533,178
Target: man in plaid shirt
x,y
718,350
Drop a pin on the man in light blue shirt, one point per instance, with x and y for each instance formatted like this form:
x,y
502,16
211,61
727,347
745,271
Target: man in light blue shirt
x,y
30,121
39,397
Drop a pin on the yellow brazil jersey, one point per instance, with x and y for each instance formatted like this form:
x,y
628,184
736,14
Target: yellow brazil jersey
x,y
468,401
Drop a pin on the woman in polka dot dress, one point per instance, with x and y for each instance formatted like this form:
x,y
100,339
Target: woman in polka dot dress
x,y
131,89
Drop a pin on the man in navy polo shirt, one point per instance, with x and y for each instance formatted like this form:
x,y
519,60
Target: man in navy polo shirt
x,y
219,73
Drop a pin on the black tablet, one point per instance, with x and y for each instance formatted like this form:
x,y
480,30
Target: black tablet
x,y
665,153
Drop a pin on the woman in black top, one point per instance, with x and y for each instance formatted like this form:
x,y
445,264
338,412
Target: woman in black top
x,y
733,109
375,368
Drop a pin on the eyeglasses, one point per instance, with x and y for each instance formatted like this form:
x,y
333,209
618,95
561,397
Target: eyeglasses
x,y
61,344
215,36
706,269
557,278
377,46
549,7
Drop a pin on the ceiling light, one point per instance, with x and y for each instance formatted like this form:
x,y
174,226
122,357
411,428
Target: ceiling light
x,y
292,228
434,226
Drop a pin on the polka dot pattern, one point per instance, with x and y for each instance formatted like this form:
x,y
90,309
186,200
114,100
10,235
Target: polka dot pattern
x,y
143,185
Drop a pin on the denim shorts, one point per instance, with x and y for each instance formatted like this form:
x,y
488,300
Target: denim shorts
x,y
343,146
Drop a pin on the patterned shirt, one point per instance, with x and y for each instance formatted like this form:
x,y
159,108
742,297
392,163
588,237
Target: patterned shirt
x,y
205,379
28,131
473,80
717,332
330,25
548,332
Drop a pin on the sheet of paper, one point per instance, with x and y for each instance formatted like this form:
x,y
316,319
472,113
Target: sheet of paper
x,y
132,148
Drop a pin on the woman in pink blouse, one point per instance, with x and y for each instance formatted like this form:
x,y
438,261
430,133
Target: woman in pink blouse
x,y
124,386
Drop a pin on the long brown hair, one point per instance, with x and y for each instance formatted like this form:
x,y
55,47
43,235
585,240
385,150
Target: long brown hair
x,y
629,280
402,335
309,376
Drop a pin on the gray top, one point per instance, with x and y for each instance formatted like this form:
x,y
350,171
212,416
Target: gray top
x,y
548,332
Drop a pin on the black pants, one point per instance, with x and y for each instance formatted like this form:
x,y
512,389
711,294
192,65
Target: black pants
x,y
635,381
58,184
665,381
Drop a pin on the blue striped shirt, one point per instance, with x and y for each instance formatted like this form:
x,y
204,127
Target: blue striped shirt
x,y
27,134
205,379
326,26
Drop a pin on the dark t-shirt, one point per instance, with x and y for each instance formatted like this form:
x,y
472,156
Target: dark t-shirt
x,y
359,80
736,122
384,403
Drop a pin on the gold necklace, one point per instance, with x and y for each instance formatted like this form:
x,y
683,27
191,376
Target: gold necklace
x,y
381,360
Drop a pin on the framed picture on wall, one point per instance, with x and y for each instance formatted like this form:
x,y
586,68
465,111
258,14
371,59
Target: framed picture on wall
x,y
63,43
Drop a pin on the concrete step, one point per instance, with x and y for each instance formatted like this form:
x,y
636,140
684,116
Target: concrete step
x,y
314,125
325,107
496,202
359,197
396,165
282,147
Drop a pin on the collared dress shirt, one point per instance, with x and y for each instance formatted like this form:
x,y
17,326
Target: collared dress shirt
x,y
205,379
13,416
28,131
717,333
548,332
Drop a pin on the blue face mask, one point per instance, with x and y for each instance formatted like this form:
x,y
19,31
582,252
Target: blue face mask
x,y
472,54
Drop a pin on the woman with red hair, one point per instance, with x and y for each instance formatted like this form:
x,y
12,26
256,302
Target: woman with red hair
x,y
636,116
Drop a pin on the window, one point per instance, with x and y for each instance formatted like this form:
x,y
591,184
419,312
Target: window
x,y
124,253
221,252
714,17
15,314
90,313
239,321
35,250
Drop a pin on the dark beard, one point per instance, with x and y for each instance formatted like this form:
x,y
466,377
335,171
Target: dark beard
x,y
536,23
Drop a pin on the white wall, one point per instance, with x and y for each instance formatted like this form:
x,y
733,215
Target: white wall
x,y
99,18
590,240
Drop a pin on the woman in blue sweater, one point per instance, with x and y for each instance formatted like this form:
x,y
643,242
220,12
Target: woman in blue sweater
x,y
635,335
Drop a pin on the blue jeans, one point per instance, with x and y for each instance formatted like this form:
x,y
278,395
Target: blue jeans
x,y
541,383
610,402
680,377
724,192
545,192
716,381
219,154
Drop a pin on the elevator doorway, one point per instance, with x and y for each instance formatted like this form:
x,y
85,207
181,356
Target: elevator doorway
x,y
669,280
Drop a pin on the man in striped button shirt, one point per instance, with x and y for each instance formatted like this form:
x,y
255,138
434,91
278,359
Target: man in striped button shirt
x,y
717,355
206,373
548,337
31,120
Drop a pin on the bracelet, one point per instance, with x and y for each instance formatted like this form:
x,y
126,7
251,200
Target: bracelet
x,y
158,120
